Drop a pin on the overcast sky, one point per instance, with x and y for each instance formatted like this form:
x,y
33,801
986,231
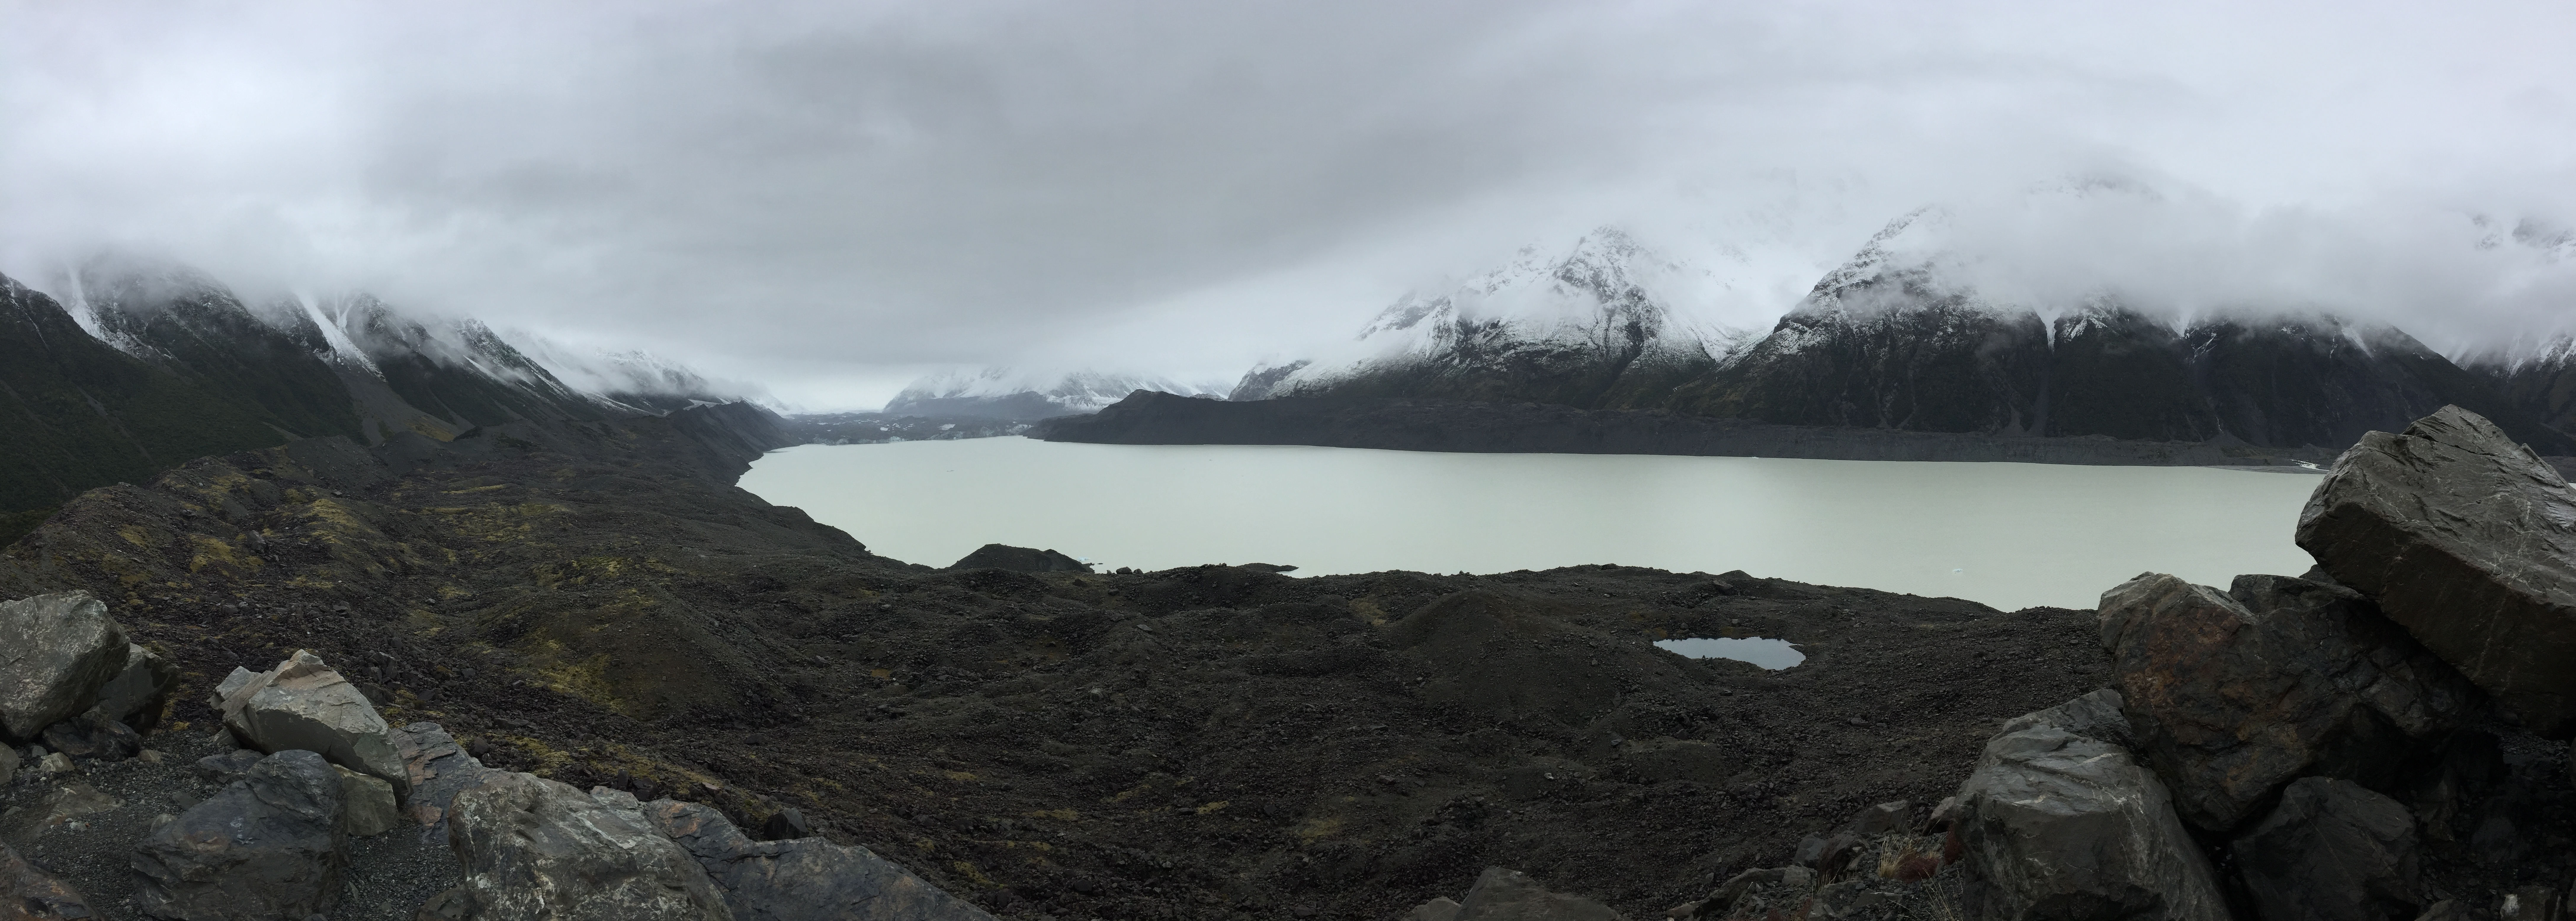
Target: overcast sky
x,y
832,198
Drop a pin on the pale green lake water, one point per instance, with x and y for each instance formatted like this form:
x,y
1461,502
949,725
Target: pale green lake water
x,y
2008,535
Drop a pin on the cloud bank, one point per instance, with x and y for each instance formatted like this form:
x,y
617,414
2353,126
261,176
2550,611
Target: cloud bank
x,y
833,198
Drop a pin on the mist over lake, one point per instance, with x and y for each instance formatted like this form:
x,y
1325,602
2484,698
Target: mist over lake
x,y
2007,535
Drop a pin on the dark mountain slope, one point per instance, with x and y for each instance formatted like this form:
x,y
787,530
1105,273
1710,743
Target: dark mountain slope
x,y
2542,384
469,378
1888,341
1892,340
76,413
1942,365
184,321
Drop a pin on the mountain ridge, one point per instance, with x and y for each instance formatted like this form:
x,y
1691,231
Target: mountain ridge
x,y
1893,339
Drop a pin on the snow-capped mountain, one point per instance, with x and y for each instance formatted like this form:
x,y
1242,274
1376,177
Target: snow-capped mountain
x,y
350,364
1006,393
184,321
1593,324
2539,379
1895,338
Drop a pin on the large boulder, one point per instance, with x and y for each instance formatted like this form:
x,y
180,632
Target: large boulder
x,y
271,845
2332,851
55,652
807,879
2061,823
534,848
304,704
2469,540
31,894
2233,694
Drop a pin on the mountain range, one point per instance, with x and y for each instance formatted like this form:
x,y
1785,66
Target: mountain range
x,y
1892,339
141,365
1013,394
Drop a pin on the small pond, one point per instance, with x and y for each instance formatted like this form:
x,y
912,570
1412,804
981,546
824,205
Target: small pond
x,y
1771,654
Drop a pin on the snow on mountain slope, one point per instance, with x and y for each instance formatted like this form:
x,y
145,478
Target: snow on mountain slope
x,y
1021,394
634,379
1570,325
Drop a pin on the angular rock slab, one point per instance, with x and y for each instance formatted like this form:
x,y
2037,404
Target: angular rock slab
x,y
367,803
437,768
93,735
271,845
534,848
30,894
2061,822
136,694
304,704
2469,540
2233,694
807,879
1511,895
2332,851
55,652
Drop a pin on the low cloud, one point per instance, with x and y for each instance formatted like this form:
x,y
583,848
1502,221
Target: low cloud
x,y
832,197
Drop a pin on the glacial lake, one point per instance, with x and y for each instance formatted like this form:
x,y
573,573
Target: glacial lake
x,y
2007,535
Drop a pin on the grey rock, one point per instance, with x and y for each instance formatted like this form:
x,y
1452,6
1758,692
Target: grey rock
x,y
2232,694
1736,886
2469,540
1885,818
268,846
1510,895
785,825
1844,900
2445,910
63,803
304,704
2100,715
367,803
56,763
533,848
2060,825
1440,909
2465,764
55,652
2332,851
8,764
437,767
808,878
94,734
1944,815
135,696
227,767
31,894
2529,903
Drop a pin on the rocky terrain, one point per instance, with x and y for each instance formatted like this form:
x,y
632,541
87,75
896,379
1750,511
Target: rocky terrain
x,y
669,659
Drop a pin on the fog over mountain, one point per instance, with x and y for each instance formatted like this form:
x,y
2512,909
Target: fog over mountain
x,y
835,200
